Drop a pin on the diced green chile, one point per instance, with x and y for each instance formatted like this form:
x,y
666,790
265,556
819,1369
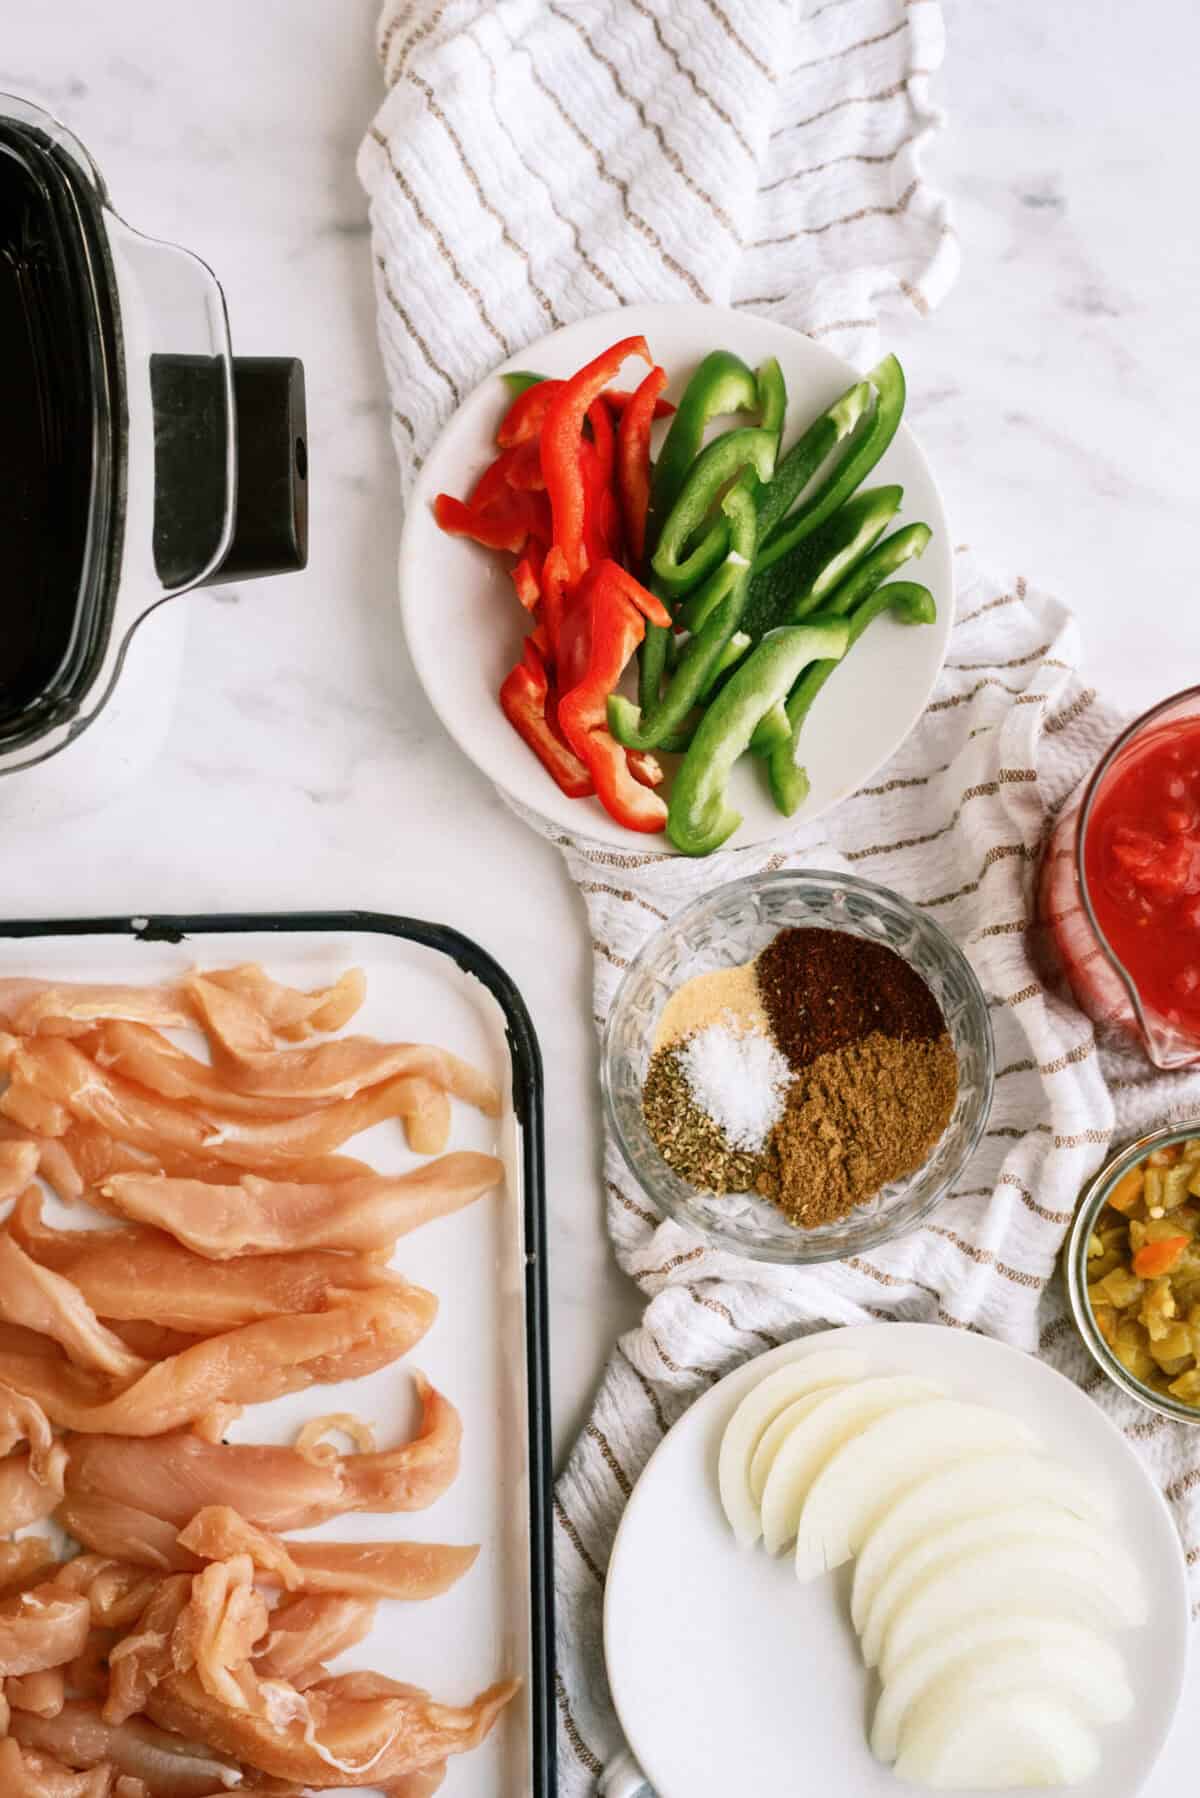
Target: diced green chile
x,y
861,451
700,817
716,465
802,581
807,454
722,384
703,656
518,379
909,604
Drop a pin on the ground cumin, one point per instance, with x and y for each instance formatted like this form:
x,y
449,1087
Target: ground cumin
x,y
856,1118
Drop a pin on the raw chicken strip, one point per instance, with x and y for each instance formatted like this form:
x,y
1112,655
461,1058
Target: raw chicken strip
x,y
324,1738
421,1784
117,1593
152,1060
174,1476
109,1528
24,1563
263,1217
42,1693
23,1421
246,1366
96,1155
41,1628
306,1630
170,1765
28,1007
210,1622
18,1165
333,1070
39,1299
27,1774
24,1496
288,1012
54,1162
136,1273
58,1078
411,1570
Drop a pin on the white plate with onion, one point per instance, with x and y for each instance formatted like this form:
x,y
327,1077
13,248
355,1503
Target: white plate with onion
x,y
464,627
730,1673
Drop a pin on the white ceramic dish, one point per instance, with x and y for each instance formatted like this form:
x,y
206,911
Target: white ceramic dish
x,y
464,625
728,1675
493,1622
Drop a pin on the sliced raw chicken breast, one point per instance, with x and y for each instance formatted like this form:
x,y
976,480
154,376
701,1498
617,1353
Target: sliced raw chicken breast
x,y
266,1217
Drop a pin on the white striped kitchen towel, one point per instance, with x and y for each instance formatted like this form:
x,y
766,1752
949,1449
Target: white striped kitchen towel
x,y
536,160
539,160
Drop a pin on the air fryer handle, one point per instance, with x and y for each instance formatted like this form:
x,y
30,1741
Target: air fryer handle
x,y
270,531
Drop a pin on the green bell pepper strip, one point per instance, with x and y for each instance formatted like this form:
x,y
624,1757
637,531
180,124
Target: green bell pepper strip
x,y
909,604
720,385
698,608
772,396
802,581
861,451
806,455
713,469
700,817
518,379
703,655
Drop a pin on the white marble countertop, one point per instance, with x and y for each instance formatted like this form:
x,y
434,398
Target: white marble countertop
x,y
1057,393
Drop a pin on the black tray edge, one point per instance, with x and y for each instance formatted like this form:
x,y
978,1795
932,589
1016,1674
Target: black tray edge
x,y
528,1102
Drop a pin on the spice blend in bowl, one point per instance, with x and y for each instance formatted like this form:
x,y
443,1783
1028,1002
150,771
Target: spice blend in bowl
x,y
815,1075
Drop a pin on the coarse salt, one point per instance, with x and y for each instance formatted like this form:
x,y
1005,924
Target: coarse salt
x,y
741,1081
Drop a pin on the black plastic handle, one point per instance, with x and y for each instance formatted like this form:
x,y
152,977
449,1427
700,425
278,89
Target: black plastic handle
x,y
270,532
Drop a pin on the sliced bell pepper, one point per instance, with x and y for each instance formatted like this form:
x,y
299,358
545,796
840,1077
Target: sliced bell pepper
x,y
645,767
562,434
700,817
909,604
523,421
807,454
861,451
804,580
506,524
619,397
527,578
720,385
701,659
604,626
554,599
633,460
677,567
771,390
524,700
518,469
518,379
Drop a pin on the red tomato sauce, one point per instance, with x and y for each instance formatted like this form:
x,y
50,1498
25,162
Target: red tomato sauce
x,y
1142,863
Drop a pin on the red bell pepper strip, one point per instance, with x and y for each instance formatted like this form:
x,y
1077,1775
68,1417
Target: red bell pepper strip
x,y
505,524
554,600
604,440
562,435
602,630
633,460
645,766
524,417
523,420
524,698
527,578
619,397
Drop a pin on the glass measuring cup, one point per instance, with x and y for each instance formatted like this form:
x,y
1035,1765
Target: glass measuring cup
x,y
1119,885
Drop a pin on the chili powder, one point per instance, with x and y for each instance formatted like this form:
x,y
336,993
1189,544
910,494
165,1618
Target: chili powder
x,y
826,989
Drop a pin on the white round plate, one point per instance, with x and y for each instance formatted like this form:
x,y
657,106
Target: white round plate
x,y
464,625
730,1676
